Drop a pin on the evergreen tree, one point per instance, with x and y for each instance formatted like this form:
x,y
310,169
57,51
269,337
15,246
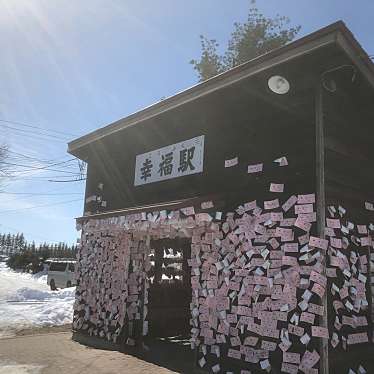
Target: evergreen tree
x,y
13,243
2,243
16,243
258,35
8,243
33,247
55,250
21,242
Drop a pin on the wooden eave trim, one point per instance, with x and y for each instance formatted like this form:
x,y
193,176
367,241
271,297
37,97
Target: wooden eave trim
x,y
358,56
249,69
169,205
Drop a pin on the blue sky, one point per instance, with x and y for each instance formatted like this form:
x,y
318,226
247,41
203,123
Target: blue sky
x,y
74,66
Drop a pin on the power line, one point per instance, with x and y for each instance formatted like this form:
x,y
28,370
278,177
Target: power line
x,y
40,194
47,167
27,157
67,181
39,137
34,133
41,167
40,206
37,127
14,196
14,177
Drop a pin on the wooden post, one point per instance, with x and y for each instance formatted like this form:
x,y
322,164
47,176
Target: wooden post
x,y
321,212
143,291
370,297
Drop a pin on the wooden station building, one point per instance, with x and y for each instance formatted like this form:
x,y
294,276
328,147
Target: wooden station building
x,y
239,213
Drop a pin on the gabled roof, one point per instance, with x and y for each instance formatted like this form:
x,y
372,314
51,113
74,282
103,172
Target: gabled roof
x,y
336,33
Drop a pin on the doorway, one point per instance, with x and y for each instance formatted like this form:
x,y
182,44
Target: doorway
x,y
170,290
168,309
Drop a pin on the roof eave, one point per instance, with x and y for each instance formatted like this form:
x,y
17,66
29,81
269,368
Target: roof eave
x,y
336,33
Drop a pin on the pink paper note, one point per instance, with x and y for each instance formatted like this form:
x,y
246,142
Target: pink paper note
x,y
281,161
307,317
289,368
279,232
250,205
188,211
289,203
306,199
292,358
301,224
295,330
329,231
256,168
276,216
333,223
290,247
289,261
276,187
318,289
336,242
207,205
233,353
362,229
271,204
331,272
363,259
303,239
308,217
358,338
318,278
316,309
251,341
365,241
235,341
309,360
268,346
320,332
318,243
305,208
232,162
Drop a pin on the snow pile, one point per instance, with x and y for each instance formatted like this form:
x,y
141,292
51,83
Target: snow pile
x,y
26,301
32,307
30,294
40,277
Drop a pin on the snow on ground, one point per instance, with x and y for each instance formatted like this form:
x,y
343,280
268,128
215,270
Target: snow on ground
x,y
11,280
13,368
26,301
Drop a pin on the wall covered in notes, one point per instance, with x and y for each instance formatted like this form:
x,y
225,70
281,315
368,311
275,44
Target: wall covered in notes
x,y
258,280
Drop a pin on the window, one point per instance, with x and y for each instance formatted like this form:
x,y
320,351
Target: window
x,y
58,266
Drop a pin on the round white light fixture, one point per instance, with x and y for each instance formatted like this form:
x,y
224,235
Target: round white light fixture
x,y
279,85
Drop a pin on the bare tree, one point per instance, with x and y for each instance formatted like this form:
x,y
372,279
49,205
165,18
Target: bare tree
x,y
4,169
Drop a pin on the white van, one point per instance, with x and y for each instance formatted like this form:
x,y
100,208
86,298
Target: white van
x,y
61,274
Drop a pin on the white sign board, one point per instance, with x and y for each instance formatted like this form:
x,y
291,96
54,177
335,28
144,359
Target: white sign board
x,y
172,161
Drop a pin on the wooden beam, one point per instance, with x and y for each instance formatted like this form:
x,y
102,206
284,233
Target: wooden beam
x,y
169,205
321,212
358,56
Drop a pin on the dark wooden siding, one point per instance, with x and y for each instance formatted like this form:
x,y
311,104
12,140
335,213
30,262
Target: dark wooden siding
x,y
238,122
349,119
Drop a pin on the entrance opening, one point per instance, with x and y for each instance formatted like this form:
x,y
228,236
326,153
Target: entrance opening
x,y
170,288
169,298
